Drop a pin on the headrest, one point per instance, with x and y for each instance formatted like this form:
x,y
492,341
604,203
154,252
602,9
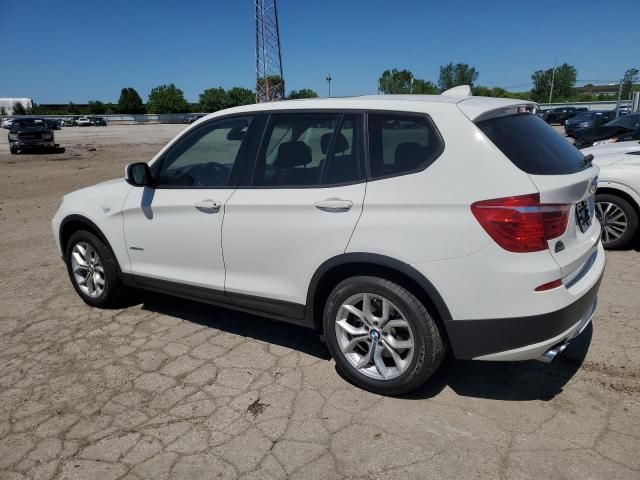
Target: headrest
x,y
408,155
293,154
341,146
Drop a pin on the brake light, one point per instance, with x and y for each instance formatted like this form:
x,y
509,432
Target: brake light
x,y
522,223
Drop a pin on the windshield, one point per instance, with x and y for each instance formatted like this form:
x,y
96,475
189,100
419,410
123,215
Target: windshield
x,y
630,122
29,122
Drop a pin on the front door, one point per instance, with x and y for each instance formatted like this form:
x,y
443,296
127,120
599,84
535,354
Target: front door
x,y
173,231
299,210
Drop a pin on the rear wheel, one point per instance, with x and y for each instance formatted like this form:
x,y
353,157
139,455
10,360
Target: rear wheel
x,y
618,219
93,270
13,150
381,336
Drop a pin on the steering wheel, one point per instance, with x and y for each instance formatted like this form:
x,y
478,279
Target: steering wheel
x,y
211,174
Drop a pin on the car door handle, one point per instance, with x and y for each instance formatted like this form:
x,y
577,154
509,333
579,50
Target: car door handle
x,y
208,206
334,205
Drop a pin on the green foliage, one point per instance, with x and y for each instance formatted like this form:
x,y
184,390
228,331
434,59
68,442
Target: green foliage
x,y
214,99
130,101
3,111
167,99
96,107
302,93
498,92
459,74
563,82
241,96
18,109
630,78
402,82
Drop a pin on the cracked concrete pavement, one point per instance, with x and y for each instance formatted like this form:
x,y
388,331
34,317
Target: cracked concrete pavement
x,y
167,388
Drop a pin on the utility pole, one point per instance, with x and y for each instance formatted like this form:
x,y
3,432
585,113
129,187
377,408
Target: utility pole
x,y
328,79
619,98
553,78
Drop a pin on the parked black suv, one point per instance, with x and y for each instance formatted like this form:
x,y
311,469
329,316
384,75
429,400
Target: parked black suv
x,y
98,121
561,114
585,137
30,133
594,118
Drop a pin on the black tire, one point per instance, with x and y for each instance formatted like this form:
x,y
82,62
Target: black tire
x,y
13,150
113,292
625,240
429,347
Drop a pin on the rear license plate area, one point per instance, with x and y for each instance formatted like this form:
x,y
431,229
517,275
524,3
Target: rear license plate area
x,y
583,215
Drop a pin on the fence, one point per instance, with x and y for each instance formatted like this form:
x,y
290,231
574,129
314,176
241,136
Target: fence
x,y
602,105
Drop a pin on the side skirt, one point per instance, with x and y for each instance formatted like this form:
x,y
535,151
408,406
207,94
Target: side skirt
x,y
279,310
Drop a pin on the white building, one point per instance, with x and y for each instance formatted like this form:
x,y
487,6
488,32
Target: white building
x,y
8,103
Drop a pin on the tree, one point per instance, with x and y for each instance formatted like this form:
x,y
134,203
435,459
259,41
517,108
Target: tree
x,y
628,81
96,107
302,93
564,79
214,99
459,74
424,87
18,109
167,99
395,81
130,101
241,96
3,111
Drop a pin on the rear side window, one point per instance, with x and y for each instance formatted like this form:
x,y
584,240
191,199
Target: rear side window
x,y
400,144
532,145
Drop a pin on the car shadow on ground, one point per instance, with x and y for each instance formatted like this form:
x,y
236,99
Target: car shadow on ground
x,y
42,151
515,381
238,323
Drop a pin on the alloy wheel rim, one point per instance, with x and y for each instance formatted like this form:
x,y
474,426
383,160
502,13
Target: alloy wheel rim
x,y
613,221
374,336
87,268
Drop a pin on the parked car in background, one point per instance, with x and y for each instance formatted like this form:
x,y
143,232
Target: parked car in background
x,y
512,273
98,121
70,121
192,118
7,122
560,114
585,137
53,123
623,138
618,195
30,133
587,120
83,122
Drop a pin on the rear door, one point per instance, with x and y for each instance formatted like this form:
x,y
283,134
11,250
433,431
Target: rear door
x,y
299,209
561,174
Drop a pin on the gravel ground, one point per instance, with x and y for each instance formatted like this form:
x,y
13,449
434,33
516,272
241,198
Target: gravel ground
x,y
167,388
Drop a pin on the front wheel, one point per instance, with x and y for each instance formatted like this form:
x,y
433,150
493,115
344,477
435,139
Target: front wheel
x,y
618,219
13,150
93,270
381,336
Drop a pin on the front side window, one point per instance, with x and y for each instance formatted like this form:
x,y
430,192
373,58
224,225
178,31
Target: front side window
x,y
309,149
205,157
400,144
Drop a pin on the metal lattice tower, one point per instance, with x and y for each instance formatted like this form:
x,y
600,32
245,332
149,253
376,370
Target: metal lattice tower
x,y
269,77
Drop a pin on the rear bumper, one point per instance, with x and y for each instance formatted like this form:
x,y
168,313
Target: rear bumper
x,y
522,338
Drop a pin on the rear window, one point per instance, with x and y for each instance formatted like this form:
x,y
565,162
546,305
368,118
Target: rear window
x,y
532,145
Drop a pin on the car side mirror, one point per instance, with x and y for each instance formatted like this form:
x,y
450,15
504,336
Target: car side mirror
x,y
139,175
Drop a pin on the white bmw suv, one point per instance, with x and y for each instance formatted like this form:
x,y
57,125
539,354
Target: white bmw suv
x,y
396,226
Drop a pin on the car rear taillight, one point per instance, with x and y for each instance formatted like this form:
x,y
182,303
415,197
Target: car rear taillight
x,y
521,224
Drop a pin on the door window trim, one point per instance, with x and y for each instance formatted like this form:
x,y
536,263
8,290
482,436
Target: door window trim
x,y
245,154
247,182
426,164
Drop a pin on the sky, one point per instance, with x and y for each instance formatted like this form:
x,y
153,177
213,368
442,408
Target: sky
x,y
81,50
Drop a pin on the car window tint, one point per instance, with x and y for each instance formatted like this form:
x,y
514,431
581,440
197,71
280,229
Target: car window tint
x,y
308,149
400,143
206,156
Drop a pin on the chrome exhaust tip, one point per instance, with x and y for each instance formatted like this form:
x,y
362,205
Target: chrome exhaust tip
x,y
552,353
